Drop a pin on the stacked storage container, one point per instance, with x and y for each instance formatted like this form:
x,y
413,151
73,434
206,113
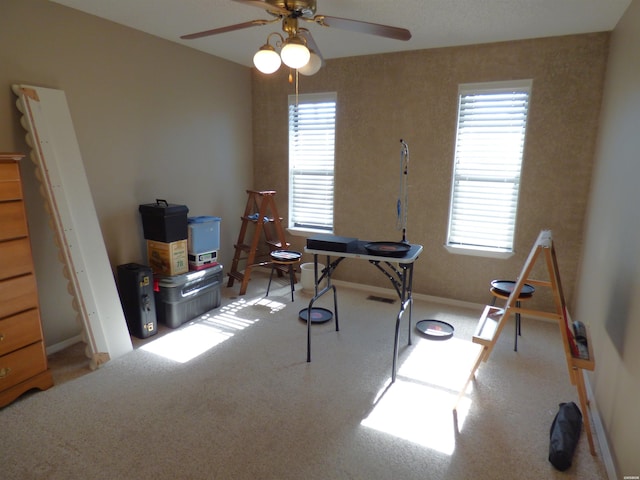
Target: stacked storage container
x,y
165,229
203,242
181,298
180,295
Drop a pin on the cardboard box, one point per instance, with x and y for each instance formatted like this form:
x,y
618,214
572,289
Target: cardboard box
x,y
167,258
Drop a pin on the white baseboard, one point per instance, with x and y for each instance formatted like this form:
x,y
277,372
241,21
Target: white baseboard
x,y
429,298
417,296
63,344
600,434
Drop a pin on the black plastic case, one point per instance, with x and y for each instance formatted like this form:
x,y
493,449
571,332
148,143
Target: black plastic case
x,y
332,243
135,285
164,222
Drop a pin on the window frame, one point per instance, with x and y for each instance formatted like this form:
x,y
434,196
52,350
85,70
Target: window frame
x,y
508,176
319,168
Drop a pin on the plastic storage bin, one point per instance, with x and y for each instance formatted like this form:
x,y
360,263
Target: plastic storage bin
x,y
164,222
204,234
307,279
181,298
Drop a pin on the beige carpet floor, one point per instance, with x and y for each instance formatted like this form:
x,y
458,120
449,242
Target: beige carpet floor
x,y
231,396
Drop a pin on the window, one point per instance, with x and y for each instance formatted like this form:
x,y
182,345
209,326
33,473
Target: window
x,y
492,119
312,125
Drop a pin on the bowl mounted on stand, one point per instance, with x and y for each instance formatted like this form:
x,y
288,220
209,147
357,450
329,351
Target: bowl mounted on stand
x,y
387,249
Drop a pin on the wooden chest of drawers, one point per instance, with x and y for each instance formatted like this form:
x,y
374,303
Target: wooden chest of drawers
x,y
23,361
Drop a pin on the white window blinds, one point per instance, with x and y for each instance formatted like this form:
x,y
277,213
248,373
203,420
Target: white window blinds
x,y
312,122
490,141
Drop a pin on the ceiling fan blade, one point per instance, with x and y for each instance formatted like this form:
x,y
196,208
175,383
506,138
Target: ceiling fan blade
x,y
316,61
311,43
363,27
230,28
273,9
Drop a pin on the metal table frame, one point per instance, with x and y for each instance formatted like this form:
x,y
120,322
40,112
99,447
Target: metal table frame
x,y
399,271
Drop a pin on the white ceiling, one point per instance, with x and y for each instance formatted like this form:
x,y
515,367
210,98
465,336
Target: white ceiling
x,y
433,23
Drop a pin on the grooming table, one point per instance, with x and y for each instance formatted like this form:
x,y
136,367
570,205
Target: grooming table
x,y
399,270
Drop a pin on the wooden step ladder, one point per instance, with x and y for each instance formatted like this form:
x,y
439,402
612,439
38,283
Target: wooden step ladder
x,y
262,214
579,356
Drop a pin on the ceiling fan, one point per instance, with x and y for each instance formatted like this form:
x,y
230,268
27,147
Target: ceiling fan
x,y
298,50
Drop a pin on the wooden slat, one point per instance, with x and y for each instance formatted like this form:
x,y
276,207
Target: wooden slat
x,y
63,183
487,325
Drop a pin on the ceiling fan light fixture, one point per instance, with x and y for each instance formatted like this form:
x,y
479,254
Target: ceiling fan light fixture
x,y
313,65
267,59
295,53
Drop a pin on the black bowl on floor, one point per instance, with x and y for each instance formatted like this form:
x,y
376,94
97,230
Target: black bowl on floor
x,y
435,329
318,315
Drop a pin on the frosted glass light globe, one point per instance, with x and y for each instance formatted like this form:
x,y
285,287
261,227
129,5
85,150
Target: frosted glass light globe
x,y
267,59
294,53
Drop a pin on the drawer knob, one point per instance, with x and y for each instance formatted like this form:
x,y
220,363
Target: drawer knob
x,y
4,372
1,337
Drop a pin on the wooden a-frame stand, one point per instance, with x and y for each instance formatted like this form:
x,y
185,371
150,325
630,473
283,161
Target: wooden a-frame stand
x,y
262,213
493,320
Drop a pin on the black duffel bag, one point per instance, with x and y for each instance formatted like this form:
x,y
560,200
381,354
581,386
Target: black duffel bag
x,y
564,435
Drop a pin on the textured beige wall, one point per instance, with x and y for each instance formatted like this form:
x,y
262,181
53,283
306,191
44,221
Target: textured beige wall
x,y
153,120
608,299
413,96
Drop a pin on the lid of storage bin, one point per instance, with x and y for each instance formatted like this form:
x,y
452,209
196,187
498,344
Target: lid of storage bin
x,y
170,281
162,208
203,219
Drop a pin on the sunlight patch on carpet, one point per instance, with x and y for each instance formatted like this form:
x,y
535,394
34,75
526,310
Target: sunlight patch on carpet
x,y
187,343
418,406
210,329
